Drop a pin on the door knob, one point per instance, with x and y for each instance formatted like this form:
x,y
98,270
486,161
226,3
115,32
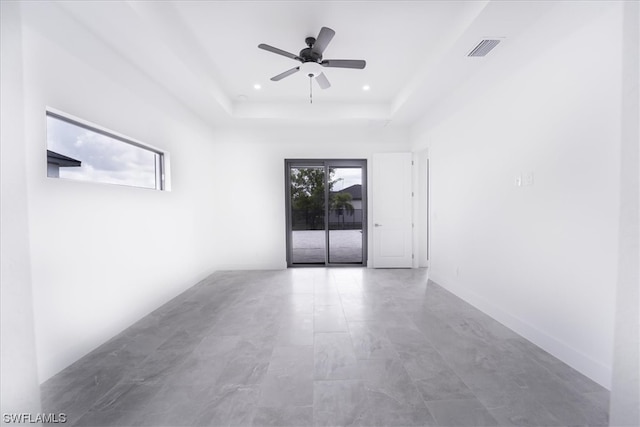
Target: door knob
x,y
377,225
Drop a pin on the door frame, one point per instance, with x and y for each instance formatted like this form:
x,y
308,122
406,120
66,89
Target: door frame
x,y
326,163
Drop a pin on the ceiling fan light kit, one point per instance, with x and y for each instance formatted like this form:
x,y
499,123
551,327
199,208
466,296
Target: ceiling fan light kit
x,y
311,59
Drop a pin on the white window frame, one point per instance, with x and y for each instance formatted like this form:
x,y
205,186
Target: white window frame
x,y
162,158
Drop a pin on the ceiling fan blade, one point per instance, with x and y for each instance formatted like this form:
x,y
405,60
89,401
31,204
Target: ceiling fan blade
x,y
323,39
285,74
279,51
323,81
344,63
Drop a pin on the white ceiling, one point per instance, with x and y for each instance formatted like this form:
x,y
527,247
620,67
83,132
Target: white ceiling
x,y
205,52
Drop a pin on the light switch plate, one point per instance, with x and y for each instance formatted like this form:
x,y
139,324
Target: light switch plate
x,y
528,178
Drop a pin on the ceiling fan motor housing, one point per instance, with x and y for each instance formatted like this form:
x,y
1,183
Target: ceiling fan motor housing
x,y
309,55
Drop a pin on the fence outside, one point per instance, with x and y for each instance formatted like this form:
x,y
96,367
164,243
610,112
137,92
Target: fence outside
x,y
338,219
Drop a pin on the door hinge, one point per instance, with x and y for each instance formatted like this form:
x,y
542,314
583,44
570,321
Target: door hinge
x,y
412,256
413,225
412,194
411,162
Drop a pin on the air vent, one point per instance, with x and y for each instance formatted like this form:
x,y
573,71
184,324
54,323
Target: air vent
x,y
484,47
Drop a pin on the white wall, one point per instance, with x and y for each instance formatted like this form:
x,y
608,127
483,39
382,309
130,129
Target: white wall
x,y
625,389
540,258
20,393
103,256
249,167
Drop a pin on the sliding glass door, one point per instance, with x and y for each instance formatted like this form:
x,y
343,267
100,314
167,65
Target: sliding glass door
x,y
307,214
326,212
345,216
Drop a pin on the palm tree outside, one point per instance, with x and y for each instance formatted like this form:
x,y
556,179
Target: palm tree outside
x,y
341,204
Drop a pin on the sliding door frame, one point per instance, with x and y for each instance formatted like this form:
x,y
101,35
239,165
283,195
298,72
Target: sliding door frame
x,y
326,164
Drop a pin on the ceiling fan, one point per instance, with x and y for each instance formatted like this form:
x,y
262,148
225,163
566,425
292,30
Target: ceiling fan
x,y
311,58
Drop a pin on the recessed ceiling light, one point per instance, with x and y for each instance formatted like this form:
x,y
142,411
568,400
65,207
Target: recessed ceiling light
x,y
366,87
257,86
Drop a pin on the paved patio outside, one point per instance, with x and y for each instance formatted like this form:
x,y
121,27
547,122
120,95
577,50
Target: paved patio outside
x,y
345,246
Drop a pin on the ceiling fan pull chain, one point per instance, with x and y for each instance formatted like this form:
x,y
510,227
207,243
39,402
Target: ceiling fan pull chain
x,y
310,89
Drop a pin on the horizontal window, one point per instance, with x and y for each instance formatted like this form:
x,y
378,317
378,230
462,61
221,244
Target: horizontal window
x,y
83,152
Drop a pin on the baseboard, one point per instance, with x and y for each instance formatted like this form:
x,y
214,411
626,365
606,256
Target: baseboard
x,y
579,361
254,266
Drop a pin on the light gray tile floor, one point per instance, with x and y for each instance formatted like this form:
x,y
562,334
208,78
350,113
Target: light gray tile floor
x,y
334,347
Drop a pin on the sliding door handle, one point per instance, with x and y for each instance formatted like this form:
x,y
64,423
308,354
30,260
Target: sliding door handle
x,y
377,225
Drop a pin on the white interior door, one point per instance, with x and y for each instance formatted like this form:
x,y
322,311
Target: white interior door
x,y
392,209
